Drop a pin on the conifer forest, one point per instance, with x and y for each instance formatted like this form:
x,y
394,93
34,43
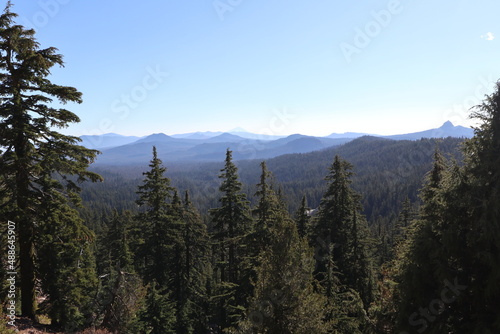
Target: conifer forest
x,y
372,236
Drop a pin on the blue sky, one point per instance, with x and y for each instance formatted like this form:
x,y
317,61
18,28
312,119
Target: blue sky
x,y
274,67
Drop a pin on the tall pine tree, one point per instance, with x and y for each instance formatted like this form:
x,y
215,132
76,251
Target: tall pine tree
x,y
303,219
231,225
197,268
33,151
158,227
285,300
449,272
155,224
342,232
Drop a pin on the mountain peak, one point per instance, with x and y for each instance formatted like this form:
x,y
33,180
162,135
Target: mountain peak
x,y
238,129
155,137
447,125
225,137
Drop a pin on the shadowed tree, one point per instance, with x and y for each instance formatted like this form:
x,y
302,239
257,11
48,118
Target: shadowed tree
x,y
303,219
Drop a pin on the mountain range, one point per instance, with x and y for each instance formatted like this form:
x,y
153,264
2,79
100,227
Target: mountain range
x,y
211,146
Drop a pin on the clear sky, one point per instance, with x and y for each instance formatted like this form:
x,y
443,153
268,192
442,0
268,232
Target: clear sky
x,y
275,67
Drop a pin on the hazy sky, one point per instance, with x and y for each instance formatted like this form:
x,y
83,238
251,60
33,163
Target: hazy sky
x,y
276,67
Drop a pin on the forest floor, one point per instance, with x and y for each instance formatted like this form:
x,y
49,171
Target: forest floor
x,y
27,326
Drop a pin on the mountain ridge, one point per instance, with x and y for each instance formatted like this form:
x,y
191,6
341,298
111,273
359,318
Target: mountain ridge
x,y
210,146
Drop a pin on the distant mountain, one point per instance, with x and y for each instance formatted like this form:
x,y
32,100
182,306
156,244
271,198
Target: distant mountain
x,y
256,136
211,149
348,135
107,140
211,146
155,138
446,130
197,135
225,138
237,132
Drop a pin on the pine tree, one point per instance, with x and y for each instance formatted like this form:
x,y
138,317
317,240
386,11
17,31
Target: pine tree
x,y
482,170
189,259
421,263
32,150
66,270
303,219
197,257
160,252
121,293
115,243
158,315
265,212
156,224
284,300
405,219
231,225
449,271
342,232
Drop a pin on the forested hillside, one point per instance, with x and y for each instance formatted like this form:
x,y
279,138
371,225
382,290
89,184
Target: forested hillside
x,y
386,172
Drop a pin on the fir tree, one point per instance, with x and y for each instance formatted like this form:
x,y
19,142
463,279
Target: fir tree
x,y
156,224
285,300
158,315
196,259
420,257
482,171
33,152
231,225
67,268
265,212
342,232
121,293
303,219
161,253
452,257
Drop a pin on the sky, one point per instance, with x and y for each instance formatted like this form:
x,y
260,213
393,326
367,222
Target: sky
x,y
273,67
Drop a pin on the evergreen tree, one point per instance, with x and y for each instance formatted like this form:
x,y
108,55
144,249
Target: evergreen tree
x,y
405,218
156,224
197,250
480,230
285,300
303,219
66,270
158,315
423,264
190,260
449,272
265,213
231,225
122,293
160,250
342,233
33,152
115,249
